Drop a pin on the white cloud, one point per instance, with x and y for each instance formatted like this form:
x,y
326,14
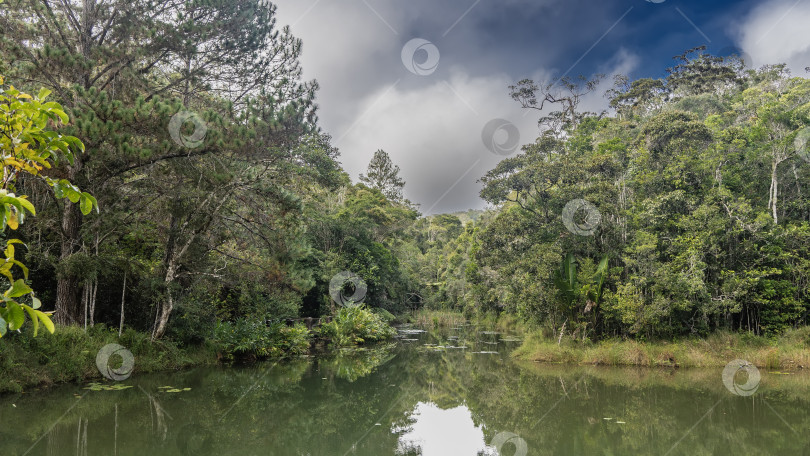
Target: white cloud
x,y
430,125
434,134
776,32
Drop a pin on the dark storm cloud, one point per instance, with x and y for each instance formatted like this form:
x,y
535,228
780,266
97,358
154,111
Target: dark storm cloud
x,y
431,124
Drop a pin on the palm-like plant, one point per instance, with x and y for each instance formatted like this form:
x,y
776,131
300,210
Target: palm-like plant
x,y
572,291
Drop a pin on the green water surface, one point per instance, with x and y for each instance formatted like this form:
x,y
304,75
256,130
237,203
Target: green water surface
x,y
418,396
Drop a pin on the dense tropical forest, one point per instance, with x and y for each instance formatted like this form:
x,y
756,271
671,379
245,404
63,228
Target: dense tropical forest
x,y
166,179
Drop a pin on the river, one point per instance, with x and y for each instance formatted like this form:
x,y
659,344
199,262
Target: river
x,y
421,395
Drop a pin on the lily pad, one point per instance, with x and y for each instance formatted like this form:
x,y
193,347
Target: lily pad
x,y
103,387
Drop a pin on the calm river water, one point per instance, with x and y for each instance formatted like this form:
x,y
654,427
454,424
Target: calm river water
x,y
419,396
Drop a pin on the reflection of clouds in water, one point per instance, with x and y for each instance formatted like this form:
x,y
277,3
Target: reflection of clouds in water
x,y
443,432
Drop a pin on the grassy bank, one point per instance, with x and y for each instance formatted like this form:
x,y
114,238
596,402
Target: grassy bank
x,y
787,352
69,355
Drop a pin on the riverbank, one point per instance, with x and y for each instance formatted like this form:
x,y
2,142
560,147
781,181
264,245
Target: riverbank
x,y
69,355
790,351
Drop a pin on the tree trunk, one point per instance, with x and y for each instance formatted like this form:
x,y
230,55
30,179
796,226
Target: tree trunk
x,y
775,190
162,318
85,300
68,309
170,266
67,288
174,255
93,292
123,296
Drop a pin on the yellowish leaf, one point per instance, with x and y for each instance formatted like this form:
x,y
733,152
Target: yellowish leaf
x,y
13,221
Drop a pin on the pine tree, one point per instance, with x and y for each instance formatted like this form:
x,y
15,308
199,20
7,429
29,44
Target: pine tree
x,y
123,68
383,175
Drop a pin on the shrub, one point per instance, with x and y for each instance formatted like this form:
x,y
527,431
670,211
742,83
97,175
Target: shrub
x,y
356,325
387,316
69,355
254,338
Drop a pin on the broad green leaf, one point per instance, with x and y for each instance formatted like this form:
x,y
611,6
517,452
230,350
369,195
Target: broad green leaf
x,y
35,303
18,288
5,270
86,205
27,205
3,326
58,190
33,315
15,315
73,195
22,266
46,321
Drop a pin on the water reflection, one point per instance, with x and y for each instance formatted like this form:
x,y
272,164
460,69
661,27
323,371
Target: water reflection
x,y
441,432
414,398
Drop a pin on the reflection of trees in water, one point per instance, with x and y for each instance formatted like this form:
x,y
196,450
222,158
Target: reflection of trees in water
x,y
291,410
159,428
408,449
352,364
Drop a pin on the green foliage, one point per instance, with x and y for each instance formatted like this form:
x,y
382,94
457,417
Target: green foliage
x,y
251,338
383,175
700,181
69,355
353,364
28,146
356,325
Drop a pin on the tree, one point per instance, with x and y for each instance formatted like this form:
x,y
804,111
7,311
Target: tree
x,y
680,176
565,94
116,65
383,175
28,147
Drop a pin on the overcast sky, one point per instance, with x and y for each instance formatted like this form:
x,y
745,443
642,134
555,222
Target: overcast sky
x,y
422,79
